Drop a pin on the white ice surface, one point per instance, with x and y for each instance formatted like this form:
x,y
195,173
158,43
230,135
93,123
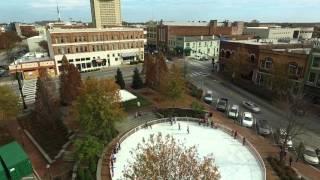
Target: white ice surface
x,y
234,161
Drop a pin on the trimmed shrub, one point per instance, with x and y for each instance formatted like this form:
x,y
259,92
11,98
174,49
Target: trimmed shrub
x,y
171,112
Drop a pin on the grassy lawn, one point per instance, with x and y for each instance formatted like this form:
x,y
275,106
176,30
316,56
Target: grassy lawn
x,y
131,105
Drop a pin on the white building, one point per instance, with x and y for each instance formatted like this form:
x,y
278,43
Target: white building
x,y
196,46
91,49
279,33
33,43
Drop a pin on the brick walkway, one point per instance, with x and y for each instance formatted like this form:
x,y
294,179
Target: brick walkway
x,y
37,160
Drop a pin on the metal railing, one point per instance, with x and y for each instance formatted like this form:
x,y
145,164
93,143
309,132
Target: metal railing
x,y
225,129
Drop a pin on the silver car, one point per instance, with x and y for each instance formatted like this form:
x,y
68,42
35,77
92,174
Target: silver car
x,y
251,106
310,156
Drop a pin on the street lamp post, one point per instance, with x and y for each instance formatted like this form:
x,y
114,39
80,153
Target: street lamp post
x,y
48,171
20,89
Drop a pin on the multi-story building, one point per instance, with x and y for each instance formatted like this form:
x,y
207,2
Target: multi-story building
x,y
197,47
256,61
92,49
279,33
165,30
106,13
152,35
312,76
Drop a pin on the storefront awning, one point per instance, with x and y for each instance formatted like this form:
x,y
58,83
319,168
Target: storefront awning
x,y
130,54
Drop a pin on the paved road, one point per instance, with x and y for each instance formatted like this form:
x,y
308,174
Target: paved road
x,y
201,75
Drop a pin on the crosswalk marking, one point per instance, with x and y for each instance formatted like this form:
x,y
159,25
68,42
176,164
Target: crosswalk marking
x,y
196,74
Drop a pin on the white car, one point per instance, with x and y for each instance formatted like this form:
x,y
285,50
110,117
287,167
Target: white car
x,y
233,111
310,156
208,97
247,119
251,106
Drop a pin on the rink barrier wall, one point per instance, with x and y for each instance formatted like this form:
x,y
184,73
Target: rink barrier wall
x,y
225,129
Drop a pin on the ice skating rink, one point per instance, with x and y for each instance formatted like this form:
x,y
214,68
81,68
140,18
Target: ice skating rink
x,y
234,161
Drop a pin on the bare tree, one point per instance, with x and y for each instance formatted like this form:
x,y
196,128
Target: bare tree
x,y
164,158
294,106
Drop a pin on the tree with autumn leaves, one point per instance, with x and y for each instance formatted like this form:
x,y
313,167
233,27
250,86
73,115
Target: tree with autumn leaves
x,y
173,84
99,107
162,157
154,68
9,103
70,82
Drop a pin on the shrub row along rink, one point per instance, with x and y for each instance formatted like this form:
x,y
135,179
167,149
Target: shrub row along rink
x,y
234,160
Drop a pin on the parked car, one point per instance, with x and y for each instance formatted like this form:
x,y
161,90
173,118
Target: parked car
x,y
251,106
247,119
222,104
310,156
234,112
318,153
281,137
263,127
208,97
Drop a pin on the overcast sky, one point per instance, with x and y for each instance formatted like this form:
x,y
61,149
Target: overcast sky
x,y
176,10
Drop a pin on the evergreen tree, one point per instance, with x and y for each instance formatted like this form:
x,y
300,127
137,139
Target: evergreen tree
x,y
70,82
137,82
119,79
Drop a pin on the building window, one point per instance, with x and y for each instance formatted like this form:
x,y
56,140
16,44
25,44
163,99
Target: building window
x,y
83,65
252,58
316,62
88,65
228,54
293,69
222,53
77,60
312,77
116,59
70,60
188,44
68,50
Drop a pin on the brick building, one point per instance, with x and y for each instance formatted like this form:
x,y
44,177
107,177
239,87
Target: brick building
x,y
167,29
93,49
257,61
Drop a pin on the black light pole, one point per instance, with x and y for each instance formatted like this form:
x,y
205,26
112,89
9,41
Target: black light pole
x,y
20,89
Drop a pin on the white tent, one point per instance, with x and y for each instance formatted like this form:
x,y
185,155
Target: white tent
x,y
126,96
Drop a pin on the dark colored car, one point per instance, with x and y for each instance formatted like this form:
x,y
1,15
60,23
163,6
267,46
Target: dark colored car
x,y
263,127
222,104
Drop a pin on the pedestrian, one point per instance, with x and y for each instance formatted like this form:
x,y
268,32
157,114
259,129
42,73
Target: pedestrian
x,y
290,161
119,146
299,151
243,141
179,126
188,129
235,134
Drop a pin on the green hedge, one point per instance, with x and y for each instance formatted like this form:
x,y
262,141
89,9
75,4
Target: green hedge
x,y
284,172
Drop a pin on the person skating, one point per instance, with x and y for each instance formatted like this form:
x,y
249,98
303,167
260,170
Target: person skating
x,y
244,141
179,126
188,129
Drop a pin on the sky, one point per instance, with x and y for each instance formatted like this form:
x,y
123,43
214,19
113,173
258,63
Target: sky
x,y
168,10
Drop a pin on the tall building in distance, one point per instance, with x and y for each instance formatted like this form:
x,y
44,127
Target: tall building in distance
x,y
106,13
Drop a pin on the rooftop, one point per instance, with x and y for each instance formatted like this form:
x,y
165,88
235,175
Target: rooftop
x,y
199,38
31,57
173,23
262,42
295,50
59,30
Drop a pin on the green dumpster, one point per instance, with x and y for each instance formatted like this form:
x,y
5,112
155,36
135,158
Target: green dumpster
x,y
15,161
2,173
